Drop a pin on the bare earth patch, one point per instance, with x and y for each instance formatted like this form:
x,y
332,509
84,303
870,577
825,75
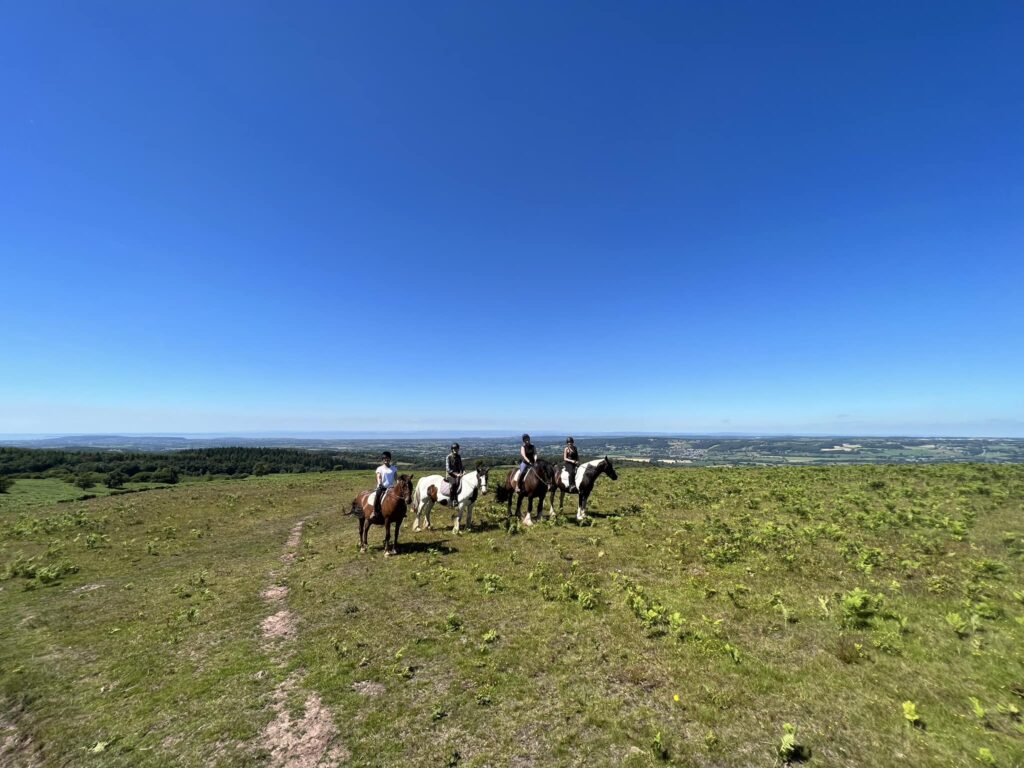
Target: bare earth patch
x,y
304,742
280,626
86,588
17,749
275,594
368,688
295,536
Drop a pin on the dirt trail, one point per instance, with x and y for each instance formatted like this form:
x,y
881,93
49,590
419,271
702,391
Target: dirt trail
x,y
16,748
309,740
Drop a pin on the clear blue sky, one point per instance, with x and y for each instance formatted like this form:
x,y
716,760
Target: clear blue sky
x,y
238,216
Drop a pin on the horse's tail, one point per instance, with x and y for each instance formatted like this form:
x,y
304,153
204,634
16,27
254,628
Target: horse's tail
x,y
357,508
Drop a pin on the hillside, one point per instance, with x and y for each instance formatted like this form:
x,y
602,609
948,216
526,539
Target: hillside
x,y
235,623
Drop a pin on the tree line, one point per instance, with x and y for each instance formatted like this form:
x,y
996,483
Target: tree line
x,y
115,468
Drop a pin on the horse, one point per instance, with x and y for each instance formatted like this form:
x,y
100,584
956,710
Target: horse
x,y
426,496
586,477
393,505
538,479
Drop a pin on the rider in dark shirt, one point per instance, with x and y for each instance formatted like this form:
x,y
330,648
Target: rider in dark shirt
x,y
527,458
571,456
453,470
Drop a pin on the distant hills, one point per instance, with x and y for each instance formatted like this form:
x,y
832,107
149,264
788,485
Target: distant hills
x,y
658,450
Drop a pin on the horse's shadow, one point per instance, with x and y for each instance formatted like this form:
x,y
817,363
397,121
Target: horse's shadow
x,y
602,515
488,525
420,547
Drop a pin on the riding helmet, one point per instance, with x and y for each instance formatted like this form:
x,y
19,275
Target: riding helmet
x,y
568,440
386,455
455,446
526,437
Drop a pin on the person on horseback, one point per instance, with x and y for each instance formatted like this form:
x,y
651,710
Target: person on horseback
x,y
571,457
453,471
527,457
386,477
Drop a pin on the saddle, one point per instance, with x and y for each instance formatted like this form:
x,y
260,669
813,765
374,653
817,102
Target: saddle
x,y
444,493
515,476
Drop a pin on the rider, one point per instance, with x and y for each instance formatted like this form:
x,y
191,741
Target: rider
x,y
453,469
571,457
386,476
527,457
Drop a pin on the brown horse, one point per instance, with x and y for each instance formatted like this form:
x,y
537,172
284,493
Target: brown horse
x,y
539,478
586,476
392,510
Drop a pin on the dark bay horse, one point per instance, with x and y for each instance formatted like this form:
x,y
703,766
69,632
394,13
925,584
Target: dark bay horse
x,y
393,507
586,476
539,478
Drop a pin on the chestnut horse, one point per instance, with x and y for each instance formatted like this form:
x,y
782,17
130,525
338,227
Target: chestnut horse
x,y
586,477
393,505
539,478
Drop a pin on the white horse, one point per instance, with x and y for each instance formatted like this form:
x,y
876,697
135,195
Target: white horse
x,y
427,494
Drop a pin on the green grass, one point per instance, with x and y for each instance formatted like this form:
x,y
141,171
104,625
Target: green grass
x,y
821,597
38,492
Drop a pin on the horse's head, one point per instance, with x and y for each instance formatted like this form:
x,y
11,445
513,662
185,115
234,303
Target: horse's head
x,y
609,470
403,487
481,477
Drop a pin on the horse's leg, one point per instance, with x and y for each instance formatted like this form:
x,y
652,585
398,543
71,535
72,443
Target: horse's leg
x,y
458,517
387,537
551,502
362,532
581,509
398,527
469,515
561,498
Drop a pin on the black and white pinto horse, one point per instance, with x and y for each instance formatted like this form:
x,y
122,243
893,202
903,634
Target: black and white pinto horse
x,y
586,477
427,494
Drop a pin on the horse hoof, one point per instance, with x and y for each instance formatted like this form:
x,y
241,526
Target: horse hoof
x,y
362,550
387,553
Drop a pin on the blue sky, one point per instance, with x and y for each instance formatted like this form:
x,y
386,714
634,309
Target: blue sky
x,y
228,217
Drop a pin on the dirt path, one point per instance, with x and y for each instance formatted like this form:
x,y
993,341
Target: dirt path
x,y
309,740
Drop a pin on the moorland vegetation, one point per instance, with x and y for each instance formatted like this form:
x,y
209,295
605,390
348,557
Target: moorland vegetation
x,y
841,616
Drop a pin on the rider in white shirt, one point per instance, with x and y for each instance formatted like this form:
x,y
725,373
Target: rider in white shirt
x,y
386,477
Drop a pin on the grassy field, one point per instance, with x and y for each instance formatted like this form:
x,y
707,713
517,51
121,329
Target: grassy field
x,y
46,491
878,610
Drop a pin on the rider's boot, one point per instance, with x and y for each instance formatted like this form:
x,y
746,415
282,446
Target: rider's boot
x,y
376,505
